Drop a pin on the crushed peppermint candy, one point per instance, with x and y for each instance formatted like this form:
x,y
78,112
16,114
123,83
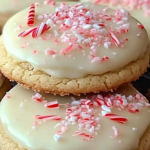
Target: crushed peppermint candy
x,y
87,114
80,27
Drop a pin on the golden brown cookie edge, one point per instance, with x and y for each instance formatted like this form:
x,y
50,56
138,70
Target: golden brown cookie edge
x,y
23,73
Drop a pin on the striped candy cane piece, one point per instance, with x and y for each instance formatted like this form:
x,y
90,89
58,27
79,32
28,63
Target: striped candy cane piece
x,y
31,15
116,118
63,130
67,49
53,104
25,33
37,97
40,29
114,38
49,117
86,137
36,31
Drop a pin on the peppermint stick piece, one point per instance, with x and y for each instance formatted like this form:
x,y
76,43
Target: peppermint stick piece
x,y
36,31
40,29
116,118
31,15
53,104
27,32
49,117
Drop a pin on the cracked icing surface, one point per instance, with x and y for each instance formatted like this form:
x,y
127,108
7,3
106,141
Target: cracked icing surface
x,y
30,132
37,80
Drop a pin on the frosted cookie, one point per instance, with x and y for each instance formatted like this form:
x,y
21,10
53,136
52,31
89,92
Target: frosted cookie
x,y
4,86
139,9
107,121
10,7
67,51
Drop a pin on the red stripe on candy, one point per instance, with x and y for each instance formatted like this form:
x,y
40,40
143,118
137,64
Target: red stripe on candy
x,y
116,118
49,117
31,15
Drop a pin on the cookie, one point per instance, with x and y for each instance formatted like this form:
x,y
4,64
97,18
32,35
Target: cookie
x,y
10,7
139,9
91,50
4,86
109,121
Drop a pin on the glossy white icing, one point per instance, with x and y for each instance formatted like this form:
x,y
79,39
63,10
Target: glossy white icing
x,y
71,48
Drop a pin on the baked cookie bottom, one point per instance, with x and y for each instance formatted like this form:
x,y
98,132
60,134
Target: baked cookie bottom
x,y
24,74
6,143
4,88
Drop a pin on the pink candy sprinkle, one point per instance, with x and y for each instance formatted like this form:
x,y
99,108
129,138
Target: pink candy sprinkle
x,y
116,118
104,58
48,51
40,30
8,95
51,2
114,38
66,50
31,15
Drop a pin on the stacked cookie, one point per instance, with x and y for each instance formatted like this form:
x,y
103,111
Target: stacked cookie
x,y
74,49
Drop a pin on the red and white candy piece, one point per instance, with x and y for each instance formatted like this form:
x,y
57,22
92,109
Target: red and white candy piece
x,y
8,95
31,15
27,32
116,118
37,97
49,117
140,26
40,29
53,104
67,49
114,38
86,137
35,31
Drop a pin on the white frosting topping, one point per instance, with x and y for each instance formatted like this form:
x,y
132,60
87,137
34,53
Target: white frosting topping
x,y
43,121
103,39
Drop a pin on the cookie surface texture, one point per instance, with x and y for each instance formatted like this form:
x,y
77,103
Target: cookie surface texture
x,y
76,53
